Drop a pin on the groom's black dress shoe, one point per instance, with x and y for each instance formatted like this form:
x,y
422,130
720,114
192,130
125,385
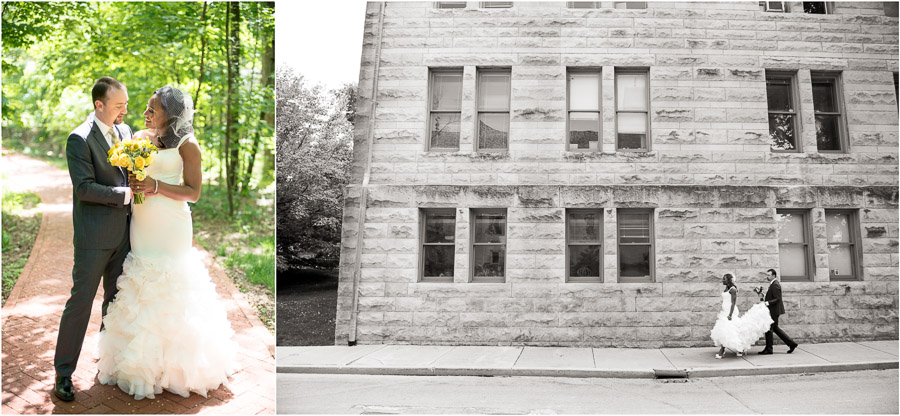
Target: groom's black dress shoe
x,y
793,348
765,352
64,389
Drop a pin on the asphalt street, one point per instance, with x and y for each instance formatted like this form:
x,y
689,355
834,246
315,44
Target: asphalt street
x,y
859,392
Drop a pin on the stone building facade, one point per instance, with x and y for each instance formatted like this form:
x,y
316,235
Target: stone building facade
x,y
583,174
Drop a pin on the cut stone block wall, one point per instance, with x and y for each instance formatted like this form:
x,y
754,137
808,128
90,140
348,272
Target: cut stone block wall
x,y
710,177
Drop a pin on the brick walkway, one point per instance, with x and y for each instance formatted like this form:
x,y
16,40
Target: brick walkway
x,y
30,320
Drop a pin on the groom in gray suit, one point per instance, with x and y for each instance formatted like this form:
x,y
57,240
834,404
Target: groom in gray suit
x,y
100,209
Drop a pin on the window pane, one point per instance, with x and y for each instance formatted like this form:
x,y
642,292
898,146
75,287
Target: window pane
x,y
781,132
489,260
823,97
493,131
446,92
584,227
440,227
779,96
792,229
584,261
438,261
493,92
631,92
451,5
584,131
634,228
793,260
632,130
584,91
827,136
840,261
838,227
445,130
490,227
631,4
814,7
634,261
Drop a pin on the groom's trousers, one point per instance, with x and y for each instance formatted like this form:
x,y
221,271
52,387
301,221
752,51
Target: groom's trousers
x,y
90,266
770,340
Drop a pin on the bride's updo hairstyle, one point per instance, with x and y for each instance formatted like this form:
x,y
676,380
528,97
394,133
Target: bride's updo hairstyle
x,y
729,281
179,110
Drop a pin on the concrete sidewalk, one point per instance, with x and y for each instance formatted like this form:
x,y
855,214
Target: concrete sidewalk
x,y
582,362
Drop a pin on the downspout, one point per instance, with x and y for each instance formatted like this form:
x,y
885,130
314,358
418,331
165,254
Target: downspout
x,y
370,138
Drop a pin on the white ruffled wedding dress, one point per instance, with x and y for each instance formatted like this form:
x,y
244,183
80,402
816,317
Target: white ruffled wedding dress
x,y
166,328
741,332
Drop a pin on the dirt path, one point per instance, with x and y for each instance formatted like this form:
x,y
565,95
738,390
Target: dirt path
x,y
30,321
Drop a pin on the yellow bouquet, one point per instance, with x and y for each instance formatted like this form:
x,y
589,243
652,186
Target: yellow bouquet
x,y
134,155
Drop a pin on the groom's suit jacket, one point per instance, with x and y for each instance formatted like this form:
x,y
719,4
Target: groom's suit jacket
x,y
773,296
99,213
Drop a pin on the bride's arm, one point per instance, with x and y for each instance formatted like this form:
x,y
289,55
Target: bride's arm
x,y
193,176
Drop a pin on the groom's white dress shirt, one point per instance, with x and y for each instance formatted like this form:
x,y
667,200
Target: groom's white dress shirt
x,y
108,134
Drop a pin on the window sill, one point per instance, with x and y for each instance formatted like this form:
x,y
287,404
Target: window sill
x,y
488,280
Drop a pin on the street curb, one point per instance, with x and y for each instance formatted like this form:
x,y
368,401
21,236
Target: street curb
x,y
580,372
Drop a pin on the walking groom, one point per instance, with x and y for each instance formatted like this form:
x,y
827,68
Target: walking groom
x,y
776,309
100,209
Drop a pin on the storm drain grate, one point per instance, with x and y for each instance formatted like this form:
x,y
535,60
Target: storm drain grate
x,y
666,374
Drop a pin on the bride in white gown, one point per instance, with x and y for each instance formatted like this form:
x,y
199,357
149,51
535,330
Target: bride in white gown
x,y
736,332
166,328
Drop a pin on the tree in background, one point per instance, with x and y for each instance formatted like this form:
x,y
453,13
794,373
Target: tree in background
x,y
315,151
220,51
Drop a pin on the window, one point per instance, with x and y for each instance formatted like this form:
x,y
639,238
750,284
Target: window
x,y
584,4
450,5
817,7
842,237
891,8
793,245
632,108
496,4
635,245
630,4
493,109
782,112
584,245
584,110
438,245
488,245
828,109
773,6
446,103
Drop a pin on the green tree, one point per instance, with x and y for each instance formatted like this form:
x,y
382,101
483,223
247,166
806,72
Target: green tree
x,y
314,157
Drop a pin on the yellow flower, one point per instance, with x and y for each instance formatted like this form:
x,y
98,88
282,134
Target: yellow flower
x,y
139,162
140,175
148,160
110,152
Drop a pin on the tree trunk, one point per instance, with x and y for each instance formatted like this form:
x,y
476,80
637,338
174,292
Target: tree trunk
x,y
232,147
202,58
267,79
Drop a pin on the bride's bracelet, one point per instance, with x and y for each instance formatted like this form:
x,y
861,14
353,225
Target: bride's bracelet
x,y
156,188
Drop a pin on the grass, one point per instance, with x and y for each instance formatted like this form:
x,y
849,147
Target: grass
x,y
244,243
307,307
21,222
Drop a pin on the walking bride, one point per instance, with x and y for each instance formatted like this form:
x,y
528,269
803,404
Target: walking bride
x,y
735,332
166,328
